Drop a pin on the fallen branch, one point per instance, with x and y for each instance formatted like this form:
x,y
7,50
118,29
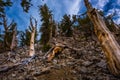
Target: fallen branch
x,y
22,63
7,68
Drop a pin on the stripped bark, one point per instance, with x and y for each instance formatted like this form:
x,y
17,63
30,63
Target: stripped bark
x,y
109,45
32,29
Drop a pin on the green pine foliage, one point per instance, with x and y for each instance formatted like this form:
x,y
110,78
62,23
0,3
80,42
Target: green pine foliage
x,y
46,47
85,24
66,26
46,19
3,4
26,4
26,36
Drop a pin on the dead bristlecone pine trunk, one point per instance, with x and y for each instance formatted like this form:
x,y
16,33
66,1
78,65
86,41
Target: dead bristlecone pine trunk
x,y
14,39
107,40
32,31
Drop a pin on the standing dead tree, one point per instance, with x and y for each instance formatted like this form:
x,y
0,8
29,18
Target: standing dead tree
x,y
10,40
32,29
107,40
14,39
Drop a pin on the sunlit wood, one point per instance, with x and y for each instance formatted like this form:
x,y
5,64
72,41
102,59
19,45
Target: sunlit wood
x,y
107,40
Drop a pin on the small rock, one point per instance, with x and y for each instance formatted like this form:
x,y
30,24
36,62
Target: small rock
x,y
102,64
87,63
13,75
83,70
70,63
55,61
14,61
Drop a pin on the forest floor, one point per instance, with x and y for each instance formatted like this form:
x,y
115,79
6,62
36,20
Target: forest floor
x,y
87,64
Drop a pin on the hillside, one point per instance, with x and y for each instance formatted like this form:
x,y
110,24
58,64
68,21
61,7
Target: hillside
x,y
87,63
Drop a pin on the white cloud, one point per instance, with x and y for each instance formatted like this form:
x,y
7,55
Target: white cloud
x,y
118,16
118,1
111,11
101,4
74,7
117,21
59,8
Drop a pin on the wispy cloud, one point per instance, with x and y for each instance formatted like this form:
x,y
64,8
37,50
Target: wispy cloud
x,y
109,7
101,4
74,7
59,8
62,7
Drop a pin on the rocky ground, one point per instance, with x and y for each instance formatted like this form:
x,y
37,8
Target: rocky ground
x,y
86,64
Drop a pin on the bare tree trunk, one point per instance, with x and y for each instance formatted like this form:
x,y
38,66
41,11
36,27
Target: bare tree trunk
x,y
32,50
109,45
32,40
51,25
14,40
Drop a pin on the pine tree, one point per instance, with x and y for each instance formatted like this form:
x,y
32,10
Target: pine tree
x,y
10,32
26,4
47,24
66,26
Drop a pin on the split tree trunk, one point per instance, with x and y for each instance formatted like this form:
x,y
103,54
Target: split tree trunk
x,y
107,40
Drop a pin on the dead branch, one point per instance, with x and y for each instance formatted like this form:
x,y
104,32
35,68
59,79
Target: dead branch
x,y
14,66
7,68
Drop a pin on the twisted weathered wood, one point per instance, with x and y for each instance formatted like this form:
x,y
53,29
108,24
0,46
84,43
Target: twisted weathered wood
x,y
109,45
58,47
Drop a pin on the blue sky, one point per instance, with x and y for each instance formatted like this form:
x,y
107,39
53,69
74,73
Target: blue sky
x,y
59,8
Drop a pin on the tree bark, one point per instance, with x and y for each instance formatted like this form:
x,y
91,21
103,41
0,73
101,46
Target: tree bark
x,y
32,40
32,50
14,40
107,40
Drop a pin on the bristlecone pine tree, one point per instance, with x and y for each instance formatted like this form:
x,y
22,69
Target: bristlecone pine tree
x,y
107,40
3,4
48,27
66,26
45,27
10,40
